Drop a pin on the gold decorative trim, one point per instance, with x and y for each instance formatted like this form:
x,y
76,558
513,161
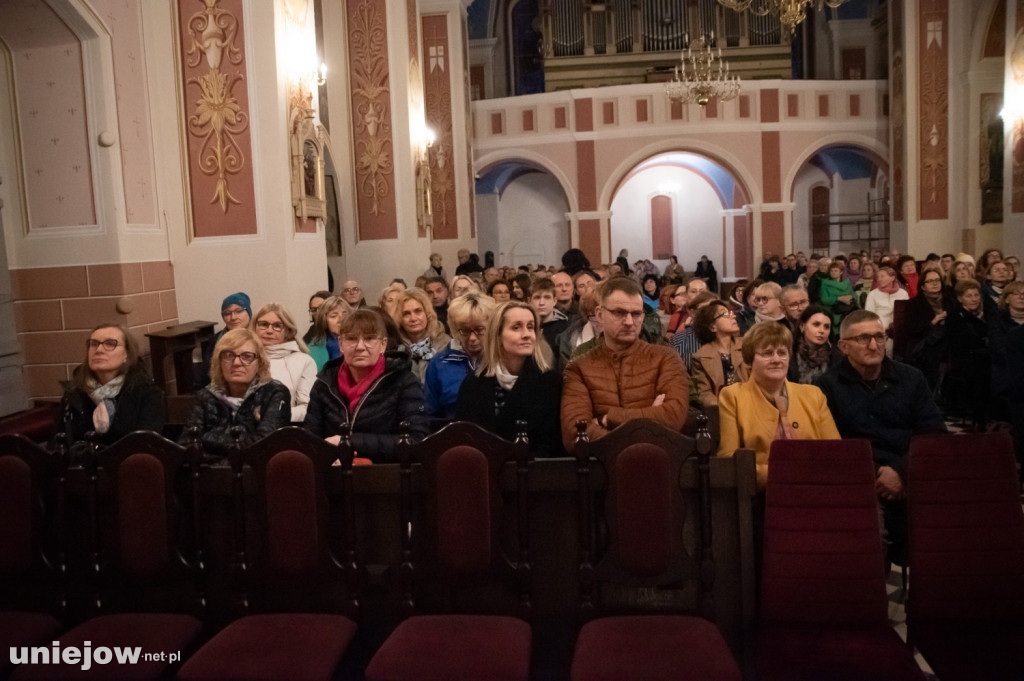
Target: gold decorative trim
x,y
370,92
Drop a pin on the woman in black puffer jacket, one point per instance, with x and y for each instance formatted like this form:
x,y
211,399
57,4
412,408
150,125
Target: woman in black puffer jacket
x,y
241,393
371,390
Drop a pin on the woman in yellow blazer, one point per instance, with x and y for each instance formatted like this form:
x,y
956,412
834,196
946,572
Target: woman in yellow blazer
x,y
719,361
767,407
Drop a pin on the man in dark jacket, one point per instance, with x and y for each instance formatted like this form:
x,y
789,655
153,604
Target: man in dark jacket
x,y
886,402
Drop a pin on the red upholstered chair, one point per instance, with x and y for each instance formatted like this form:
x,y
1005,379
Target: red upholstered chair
x,y
146,586
965,611
302,595
29,563
644,548
824,610
454,542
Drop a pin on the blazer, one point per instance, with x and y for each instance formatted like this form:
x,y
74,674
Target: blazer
x,y
749,420
706,369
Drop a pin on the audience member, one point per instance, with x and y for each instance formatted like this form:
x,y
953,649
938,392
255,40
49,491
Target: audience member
x,y
769,306
651,291
968,382
705,270
836,294
674,272
491,275
685,340
564,294
999,275
853,270
624,377
766,407
925,323
329,317
985,261
814,353
421,332
369,390
499,290
352,293
515,381
584,282
882,301
747,315
290,364
389,298
794,301
438,292
315,301
461,285
468,315
552,321
241,393
435,271
574,260
582,332
110,392
865,283
886,402
521,285
1008,316
719,360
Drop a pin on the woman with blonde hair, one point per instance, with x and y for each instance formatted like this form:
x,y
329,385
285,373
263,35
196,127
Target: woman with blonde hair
x,y
467,316
419,329
290,362
515,381
324,345
389,298
461,285
241,393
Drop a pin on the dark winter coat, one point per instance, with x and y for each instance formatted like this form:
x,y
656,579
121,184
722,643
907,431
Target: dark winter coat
x,y
536,398
264,410
394,397
139,406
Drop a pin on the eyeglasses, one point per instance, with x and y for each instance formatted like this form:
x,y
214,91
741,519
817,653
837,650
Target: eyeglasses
x,y
354,341
933,280
354,289
760,300
727,313
108,344
246,358
232,312
781,353
866,338
799,303
620,314
1018,292
264,325
478,332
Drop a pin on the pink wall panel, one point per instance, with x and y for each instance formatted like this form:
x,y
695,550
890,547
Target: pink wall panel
x,y
933,105
773,225
371,120
586,179
661,227
898,110
771,171
437,96
590,239
216,112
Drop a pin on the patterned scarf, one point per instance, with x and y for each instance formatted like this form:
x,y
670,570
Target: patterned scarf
x,y
423,349
103,397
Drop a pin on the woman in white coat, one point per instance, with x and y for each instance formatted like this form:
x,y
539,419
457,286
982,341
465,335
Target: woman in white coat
x,y
290,362
882,300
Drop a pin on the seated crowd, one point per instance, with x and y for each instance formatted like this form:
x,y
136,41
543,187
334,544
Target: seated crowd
x,y
815,348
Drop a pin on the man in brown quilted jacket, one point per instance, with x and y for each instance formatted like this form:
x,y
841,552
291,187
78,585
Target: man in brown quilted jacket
x,y
623,377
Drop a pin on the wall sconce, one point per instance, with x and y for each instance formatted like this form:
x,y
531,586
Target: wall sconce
x,y
306,146
424,208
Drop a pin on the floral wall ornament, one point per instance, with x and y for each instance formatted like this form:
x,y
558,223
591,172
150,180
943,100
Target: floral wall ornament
x,y
371,120
218,117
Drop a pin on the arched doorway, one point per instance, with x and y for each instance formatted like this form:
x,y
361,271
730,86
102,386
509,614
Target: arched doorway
x,y
684,204
841,202
521,214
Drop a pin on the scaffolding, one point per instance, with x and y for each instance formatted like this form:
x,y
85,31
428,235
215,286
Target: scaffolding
x,y
835,233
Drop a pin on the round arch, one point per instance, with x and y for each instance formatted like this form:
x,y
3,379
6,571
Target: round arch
x,y
980,30
715,153
871,148
484,163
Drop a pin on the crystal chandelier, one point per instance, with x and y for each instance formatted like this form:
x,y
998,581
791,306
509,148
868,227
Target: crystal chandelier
x,y
701,75
791,12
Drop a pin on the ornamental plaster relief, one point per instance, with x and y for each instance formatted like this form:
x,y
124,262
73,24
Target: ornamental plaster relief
x,y
934,109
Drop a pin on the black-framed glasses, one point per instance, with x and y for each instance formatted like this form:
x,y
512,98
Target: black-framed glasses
x,y
229,357
620,314
263,325
232,312
478,331
354,289
727,313
107,344
865,339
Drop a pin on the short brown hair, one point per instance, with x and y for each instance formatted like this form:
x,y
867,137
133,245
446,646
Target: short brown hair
x,y
965,285
623,284
363,322
765,335
1004,297
705,319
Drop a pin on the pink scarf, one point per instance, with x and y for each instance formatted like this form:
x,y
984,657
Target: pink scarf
x,y
354,391
892,288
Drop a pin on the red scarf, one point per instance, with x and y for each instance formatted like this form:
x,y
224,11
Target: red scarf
x,y
911,284
892,288
354,391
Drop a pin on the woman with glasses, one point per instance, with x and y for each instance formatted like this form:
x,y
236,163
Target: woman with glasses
x,y
290,362
421,332
925,322
236,311
500,291
241,393
719,360
315,301
371,390
814,353
110,393
515,381
767,407
467,316
324,345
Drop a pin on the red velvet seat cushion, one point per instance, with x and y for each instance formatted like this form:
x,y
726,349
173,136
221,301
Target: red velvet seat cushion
x,y
972,650
24,629
810,653
446,647
152,633
652,648
301,647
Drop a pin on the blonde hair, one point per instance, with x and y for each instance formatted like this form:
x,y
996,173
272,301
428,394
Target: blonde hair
x,y
494,350
232,340
769,289
435,329
466,306
320,328
291,330
382,302
1004,297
